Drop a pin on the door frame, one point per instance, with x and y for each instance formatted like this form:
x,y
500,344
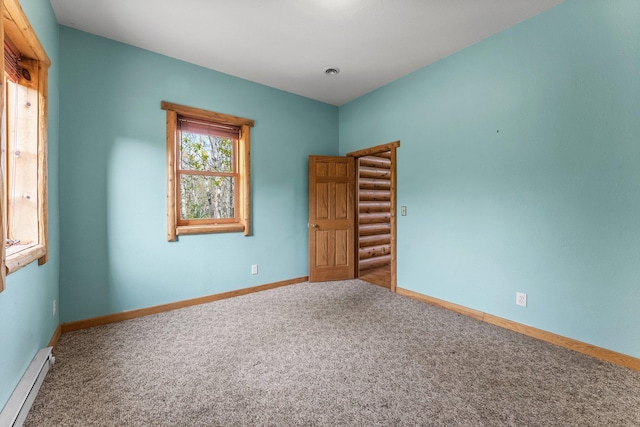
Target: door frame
x,y
391,146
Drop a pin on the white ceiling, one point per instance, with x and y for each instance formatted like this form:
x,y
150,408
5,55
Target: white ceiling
x,y
287,44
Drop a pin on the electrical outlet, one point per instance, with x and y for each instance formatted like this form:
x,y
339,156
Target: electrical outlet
x,y
403,210
521,299
54,307
254,269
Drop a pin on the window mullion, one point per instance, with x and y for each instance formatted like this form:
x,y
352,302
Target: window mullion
x,y
205,173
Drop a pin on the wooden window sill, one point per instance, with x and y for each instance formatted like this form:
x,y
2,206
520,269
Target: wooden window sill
x,y
182,230
24,257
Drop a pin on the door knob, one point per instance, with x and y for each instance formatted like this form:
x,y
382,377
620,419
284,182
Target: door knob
x,y
314,225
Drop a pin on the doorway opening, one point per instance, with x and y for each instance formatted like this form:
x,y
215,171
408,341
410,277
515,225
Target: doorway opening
x,y
375,209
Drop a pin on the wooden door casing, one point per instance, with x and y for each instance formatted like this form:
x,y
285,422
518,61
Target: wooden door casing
x,y
331,218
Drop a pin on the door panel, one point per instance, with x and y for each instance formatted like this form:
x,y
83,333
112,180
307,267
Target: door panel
x,y
322,248
342,248
342,197
322,200
331,218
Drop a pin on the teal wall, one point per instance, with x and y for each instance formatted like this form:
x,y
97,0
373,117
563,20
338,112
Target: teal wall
x,y
114,254
520,167
27,322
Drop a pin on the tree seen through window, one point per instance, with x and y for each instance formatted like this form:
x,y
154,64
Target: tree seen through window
x,y
207,181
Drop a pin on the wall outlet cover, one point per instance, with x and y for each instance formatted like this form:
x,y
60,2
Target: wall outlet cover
x,y
521,299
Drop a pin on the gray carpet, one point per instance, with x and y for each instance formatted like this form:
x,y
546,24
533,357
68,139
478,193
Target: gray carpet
x,y
326,354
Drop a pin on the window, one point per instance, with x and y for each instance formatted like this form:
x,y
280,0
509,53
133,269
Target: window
x,y
208,172
23,177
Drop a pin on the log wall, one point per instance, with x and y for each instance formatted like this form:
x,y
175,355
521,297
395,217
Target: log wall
x,y
374,211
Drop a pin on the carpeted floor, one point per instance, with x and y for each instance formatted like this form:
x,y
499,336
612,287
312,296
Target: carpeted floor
x,y
325,354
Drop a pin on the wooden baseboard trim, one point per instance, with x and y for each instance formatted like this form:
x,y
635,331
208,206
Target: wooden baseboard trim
x,y
581,347
56,336
132,314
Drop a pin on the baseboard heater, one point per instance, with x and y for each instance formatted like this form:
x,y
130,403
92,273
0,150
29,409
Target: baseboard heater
x,y
18,405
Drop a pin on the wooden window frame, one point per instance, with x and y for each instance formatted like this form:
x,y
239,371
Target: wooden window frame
x,y
241,222
17,28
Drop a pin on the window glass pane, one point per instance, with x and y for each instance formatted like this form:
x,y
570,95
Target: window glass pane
x,y
204,197
206,153
22,164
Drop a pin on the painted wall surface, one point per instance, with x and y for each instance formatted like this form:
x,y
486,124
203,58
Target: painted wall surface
x,y
520,167
115,255
26,315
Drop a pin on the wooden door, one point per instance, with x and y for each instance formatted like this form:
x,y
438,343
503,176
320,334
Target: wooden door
x,y
331,218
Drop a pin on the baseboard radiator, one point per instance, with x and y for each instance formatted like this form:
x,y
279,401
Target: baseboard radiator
x,y
17,408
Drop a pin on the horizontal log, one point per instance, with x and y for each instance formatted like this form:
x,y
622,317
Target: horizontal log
x,y
369,229
379,150
374,184
375,162
374,207
374,251
366,172
374,195
374,240
374,217
379,261
386,154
